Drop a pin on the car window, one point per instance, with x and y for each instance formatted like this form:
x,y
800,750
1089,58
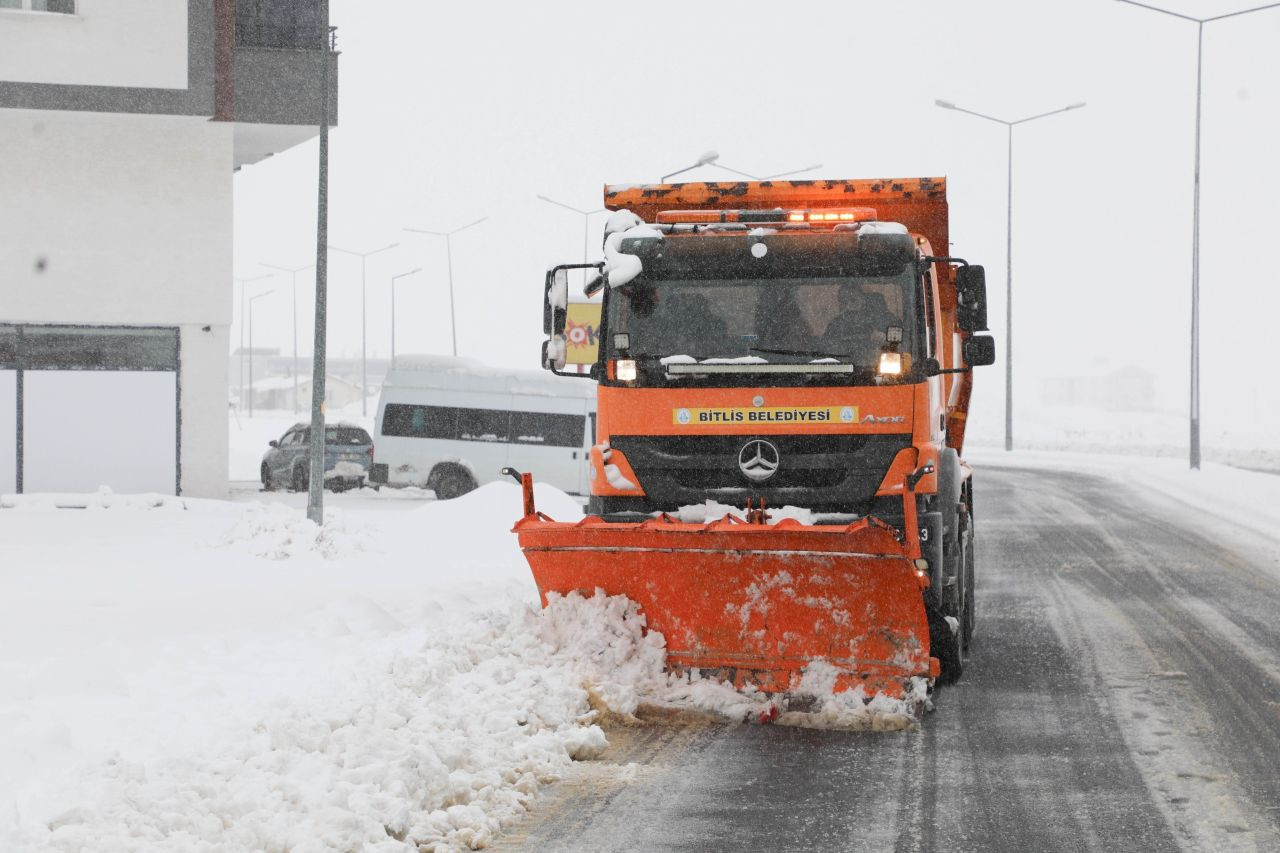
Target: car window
x,y
346,436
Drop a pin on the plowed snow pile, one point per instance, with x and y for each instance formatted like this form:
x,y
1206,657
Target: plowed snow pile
x,y
208,680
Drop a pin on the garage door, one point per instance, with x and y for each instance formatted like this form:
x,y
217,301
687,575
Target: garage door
x,y
99,408
87,428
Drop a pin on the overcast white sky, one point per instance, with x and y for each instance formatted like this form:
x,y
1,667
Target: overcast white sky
x,y
449,112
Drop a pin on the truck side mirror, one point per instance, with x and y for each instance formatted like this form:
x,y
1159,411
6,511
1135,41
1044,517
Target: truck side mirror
x,y
971,294
980,350
555,352
555,301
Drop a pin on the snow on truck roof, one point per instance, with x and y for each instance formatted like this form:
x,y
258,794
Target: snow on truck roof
x,y
443,371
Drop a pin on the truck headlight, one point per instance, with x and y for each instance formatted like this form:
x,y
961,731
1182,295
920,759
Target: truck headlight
x,y
626,370
890,364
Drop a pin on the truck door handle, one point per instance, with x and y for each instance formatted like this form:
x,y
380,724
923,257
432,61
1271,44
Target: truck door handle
x,y
575,454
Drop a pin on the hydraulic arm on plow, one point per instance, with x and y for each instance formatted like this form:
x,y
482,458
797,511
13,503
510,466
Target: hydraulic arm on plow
x,y
782,344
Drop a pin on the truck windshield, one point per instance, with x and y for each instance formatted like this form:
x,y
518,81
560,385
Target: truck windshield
x,y
841,318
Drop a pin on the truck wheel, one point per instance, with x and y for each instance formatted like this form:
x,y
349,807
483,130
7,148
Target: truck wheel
x,y
944,644
953,562
967,620
451,482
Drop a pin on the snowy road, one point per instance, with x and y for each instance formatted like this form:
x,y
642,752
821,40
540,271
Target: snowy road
x,y
1124,694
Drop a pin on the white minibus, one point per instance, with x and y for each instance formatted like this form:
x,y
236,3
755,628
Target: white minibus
x,y
451,424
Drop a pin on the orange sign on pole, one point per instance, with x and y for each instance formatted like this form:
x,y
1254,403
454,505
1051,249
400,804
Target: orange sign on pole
x,y
583,331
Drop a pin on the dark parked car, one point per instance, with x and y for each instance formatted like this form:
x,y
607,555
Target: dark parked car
x,y
348,452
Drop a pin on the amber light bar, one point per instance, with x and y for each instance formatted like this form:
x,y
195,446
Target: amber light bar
x,y
832,215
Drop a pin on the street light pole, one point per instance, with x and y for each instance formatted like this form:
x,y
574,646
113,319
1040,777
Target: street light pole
x,y
252,300
1008,334
448,249
768,177
294,273
586,221
1194,454
315,452
243,280
394,279
711,158
364,367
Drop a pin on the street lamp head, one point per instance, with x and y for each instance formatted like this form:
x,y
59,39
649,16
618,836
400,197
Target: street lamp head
x,y
1077,105
707,158
946,105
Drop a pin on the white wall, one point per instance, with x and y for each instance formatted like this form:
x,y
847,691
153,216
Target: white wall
x,y
127,219
204,410
135,43
114,218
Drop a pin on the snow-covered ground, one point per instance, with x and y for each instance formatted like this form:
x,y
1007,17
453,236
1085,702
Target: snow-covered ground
x,y
176,672
1086,429
1219,494
179,672
211,670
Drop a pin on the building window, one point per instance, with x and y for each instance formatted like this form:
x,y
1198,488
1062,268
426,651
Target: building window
x,y
98,348
64,7
488,425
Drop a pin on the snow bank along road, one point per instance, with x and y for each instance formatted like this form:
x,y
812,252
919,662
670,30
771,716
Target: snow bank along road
x,y
1124,695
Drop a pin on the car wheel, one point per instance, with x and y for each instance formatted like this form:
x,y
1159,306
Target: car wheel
x,y
266,478
453,482
299,483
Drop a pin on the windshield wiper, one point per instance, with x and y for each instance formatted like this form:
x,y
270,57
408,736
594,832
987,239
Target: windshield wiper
x,y
799,352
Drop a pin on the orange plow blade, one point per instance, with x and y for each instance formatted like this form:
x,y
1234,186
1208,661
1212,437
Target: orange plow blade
x,y
755,602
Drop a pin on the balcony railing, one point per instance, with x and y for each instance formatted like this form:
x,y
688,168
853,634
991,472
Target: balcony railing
x,y
283,24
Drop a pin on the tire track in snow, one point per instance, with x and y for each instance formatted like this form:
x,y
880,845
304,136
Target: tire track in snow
x,y
1195,604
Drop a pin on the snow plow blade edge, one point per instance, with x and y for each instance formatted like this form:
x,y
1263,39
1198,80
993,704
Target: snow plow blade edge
x,y
752,602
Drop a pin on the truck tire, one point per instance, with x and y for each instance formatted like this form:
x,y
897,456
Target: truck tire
x,y
966,554
944,644
948,503
450,481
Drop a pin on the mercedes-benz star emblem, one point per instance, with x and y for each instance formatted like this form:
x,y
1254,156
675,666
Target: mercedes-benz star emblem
x,y
758,460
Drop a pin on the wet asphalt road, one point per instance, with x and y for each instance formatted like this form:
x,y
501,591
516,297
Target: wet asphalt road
x,y
1123,694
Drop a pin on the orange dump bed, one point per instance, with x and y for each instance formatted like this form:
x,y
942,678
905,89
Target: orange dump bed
x,y
918,203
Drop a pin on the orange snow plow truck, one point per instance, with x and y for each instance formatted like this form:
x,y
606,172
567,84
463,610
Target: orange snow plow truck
x,y
784,374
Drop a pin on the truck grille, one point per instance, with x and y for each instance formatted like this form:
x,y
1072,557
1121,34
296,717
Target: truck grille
x,y
829,473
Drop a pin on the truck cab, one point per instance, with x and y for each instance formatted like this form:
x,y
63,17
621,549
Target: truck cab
x,y
799,355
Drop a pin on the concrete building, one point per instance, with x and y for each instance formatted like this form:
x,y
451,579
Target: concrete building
x,y
121,123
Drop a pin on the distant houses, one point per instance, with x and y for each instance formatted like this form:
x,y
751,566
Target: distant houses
x,y
277,393
1102,386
